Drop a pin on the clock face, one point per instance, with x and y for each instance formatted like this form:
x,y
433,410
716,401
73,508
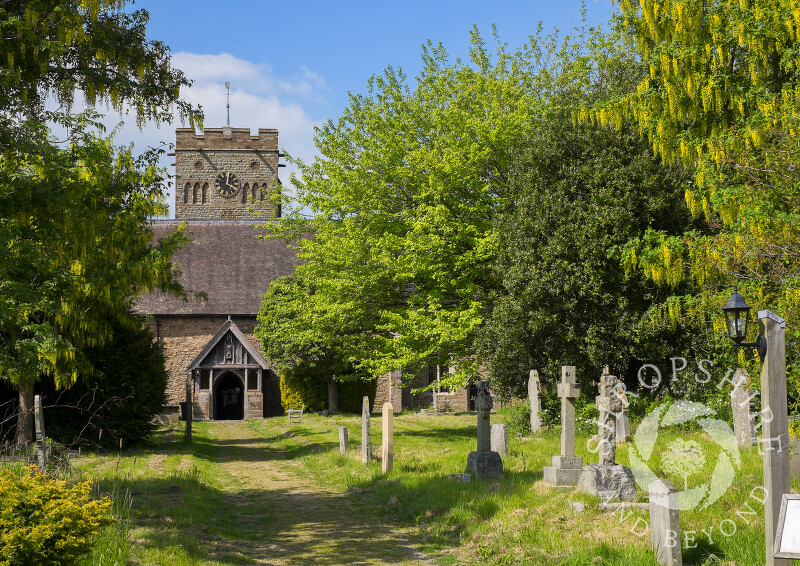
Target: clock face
x,y
227,184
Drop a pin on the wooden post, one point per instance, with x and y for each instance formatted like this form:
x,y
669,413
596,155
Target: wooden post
x,y
40,444
387,446
775,427
343,440
189,382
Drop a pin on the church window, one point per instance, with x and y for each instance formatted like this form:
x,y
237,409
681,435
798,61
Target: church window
x,y
205,193
198,164
187,188
195,193
254,165
244,192
205,379
252,379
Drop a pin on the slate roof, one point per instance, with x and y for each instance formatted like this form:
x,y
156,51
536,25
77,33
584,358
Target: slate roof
x,y
225,260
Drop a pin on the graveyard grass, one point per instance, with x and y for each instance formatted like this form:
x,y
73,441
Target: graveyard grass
x,y
194,503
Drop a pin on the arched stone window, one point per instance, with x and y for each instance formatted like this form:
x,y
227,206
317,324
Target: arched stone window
x,y
196,193
244,192
255,191
187,188
205,193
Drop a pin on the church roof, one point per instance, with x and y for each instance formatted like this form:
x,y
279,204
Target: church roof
x,y
226,260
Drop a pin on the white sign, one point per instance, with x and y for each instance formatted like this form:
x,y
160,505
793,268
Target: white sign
x,y
787,539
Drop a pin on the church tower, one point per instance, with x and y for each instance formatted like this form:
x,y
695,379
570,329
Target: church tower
x,y
226,174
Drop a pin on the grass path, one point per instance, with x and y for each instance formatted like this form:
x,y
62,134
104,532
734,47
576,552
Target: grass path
x,y
284,518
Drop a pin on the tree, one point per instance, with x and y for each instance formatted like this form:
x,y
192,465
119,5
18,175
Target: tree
x,y
301,348
74,215
579,194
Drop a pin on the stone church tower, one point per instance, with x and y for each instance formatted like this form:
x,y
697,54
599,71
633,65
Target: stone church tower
x,y
226,180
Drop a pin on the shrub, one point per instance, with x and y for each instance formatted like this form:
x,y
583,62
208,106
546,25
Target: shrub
x,y
518,420
297,390
45,521
352,393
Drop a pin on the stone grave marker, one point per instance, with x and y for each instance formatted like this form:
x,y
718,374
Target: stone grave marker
x,y
344,441
623,418
665,528
387,445
484,463
40,444
536,403
744,426
366,443
608,479
500,439
566,468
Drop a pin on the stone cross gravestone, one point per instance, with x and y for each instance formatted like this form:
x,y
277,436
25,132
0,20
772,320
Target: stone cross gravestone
x,y
500,439
608,479
484,463
741,405
665,528
387,445
343,440
536,403
566,468
366,444
40,444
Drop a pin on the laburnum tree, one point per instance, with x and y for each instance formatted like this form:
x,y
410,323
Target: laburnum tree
x,y
74,213
720,95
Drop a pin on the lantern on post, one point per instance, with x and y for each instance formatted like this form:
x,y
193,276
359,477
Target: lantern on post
x,y
737,318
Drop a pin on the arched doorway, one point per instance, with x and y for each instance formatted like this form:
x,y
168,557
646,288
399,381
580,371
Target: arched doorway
x,y
229,398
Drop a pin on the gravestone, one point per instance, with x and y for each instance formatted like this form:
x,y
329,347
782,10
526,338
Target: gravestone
x,y
623,418
665,528
40,444
536,403
566,468
744,426
608,479
344,441
500,439
794,459
387,445
484,463
366,443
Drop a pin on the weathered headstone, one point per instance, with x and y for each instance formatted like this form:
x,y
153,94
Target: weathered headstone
x,y
608,479
741,405
484,463
623,419
566,468
500,439
775,430
366,443
665,528
387,445
536,403
40,444
344,441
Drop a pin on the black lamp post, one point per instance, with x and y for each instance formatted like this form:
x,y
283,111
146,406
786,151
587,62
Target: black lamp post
x,y
737,317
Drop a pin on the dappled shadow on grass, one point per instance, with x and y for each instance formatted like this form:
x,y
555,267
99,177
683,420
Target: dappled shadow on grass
x,y
287,526
443,434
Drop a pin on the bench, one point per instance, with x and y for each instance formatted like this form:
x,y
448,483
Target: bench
x,y
296,415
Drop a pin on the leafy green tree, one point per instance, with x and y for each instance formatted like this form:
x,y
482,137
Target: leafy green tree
x,y
74,215
579,194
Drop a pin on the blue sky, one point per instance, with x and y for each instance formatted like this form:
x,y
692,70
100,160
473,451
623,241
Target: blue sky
x,y
292,64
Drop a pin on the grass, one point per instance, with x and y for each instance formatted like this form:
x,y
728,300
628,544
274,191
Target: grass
x,y
189,502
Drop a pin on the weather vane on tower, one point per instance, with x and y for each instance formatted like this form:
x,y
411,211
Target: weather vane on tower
x,y
228,98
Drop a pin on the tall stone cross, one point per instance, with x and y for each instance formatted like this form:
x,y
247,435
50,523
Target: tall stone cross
x,y
536,402
568,391
609,405
366,443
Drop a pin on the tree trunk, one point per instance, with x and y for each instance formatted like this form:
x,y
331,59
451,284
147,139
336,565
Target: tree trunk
x,y
333,396
25,414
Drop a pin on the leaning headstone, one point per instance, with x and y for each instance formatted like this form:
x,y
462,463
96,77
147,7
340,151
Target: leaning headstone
x,y
665,528
40,444
344,443
500,439
484,463
608,479
387,446
366,444
536,403
566,468
623,418
741,405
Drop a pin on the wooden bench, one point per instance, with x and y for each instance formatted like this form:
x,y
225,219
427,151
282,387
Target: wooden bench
x,y
296,415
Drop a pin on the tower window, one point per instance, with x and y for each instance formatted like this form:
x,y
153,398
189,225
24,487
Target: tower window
x,y
187,188
245,189
254,165
198,164
205,193
196,193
